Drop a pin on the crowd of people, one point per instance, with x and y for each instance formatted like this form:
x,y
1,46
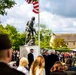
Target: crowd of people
x,y
47,63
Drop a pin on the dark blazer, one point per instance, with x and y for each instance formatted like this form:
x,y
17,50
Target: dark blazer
x,y
52,59
49,62
30,59
6,70
58,73
46,64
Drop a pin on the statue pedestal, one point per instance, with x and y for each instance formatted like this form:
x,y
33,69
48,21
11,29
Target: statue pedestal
x,y
24,50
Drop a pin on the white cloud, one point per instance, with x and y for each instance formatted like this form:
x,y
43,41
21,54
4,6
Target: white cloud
x,y
21,13
60,7
58,23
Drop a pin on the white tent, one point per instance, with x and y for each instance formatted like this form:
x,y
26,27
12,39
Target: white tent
x,y
73,50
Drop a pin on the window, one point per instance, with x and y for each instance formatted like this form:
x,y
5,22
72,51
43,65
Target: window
x,y
67,43
73,43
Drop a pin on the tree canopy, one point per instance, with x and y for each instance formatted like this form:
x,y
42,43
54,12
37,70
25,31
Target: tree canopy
x,y
6,4
59,43
18,38
45,35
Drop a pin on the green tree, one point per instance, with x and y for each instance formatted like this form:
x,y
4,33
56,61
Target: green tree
x,y
45,34
2,29
6,4
12,32
10,28
19,40
16,38
59,43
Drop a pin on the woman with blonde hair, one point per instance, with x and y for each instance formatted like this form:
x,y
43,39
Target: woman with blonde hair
x,y
23,65
37,67
58,69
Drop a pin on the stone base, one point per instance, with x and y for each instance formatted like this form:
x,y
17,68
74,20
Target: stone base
x,y
24,50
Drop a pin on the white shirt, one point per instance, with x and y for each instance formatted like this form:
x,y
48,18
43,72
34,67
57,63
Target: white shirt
x,y
23,69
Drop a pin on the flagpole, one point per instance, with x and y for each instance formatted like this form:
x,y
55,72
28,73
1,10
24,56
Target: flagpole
x,y
39,28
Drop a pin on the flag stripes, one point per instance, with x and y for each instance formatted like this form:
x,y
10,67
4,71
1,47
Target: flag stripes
x,y
35,5
29,1
35,11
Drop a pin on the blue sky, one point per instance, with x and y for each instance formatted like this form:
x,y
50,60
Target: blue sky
x,y
57,15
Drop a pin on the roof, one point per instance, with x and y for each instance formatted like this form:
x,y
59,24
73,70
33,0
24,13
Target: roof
x,y
67,37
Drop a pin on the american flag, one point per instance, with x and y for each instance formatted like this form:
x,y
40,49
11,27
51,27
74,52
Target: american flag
x,y
35,5
29,1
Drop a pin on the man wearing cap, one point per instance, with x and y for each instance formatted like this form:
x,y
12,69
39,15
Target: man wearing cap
x,y
5,56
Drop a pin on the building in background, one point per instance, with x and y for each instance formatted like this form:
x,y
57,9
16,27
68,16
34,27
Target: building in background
x,y
70,39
